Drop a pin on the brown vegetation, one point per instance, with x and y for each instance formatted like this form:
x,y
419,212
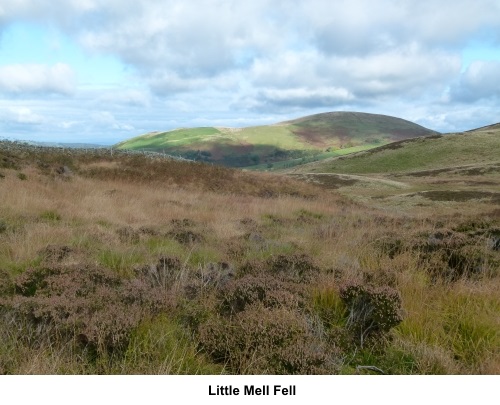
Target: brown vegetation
x,y
132,265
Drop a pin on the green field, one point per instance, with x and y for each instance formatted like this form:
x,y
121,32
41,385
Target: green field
x,y
285,144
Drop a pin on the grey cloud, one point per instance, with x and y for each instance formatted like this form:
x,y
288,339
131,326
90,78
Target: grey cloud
x,y
402,73
366,27
303,98
395,74
481,80
127,97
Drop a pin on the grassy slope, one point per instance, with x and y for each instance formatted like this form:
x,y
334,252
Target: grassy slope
x,y
304,137
475,147
449,174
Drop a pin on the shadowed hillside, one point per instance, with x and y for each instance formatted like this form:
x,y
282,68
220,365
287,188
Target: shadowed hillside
x,y
288,143
476,147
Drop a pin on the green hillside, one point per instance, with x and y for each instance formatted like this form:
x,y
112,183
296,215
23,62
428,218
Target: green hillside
x,y
477,147
285,144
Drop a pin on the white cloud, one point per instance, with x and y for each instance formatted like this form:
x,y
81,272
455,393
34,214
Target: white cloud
x,y
20,117
37,78
105,119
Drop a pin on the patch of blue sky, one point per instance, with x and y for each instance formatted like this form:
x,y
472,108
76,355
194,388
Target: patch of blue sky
x,y
479,52
26,43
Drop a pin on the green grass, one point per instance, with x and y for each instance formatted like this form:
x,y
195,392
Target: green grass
x,y
16,267
273,135
420,154
120,262
158,246
50,216
162,346
168,140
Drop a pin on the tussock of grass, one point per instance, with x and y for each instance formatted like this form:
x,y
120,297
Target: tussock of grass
x,y
162,346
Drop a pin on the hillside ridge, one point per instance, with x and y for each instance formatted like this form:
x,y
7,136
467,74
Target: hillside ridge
x,y
282,144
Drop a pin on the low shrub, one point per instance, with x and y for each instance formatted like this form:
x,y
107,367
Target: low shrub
x,y
162,274
186,237
299,267
241,293
55,253
450,256
86,303
372,311
263,340
6,283
127,234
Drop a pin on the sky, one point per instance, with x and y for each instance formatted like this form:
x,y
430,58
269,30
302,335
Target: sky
x,y
101,71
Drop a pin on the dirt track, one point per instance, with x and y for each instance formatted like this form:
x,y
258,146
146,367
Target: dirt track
x,y
348,179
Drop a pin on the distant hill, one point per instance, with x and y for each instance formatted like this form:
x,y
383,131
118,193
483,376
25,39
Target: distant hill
x,y
72,145
437,152
284,144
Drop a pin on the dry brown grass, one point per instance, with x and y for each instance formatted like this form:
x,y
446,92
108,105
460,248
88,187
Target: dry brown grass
x,y
247,224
